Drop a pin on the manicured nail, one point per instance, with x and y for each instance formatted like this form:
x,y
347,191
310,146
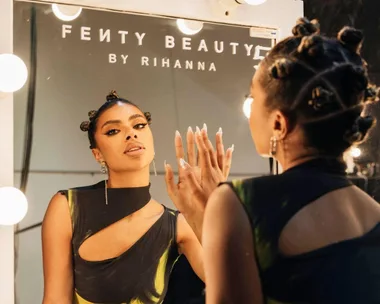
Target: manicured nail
x,y
205,127
220,131
197,131
190,129
177,133
165,164
232,148
182,163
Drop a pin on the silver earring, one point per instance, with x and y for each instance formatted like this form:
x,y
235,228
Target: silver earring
x,y
103,167
106,192
154,167
273,146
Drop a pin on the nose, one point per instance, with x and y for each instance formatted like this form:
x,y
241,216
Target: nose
x,y
131,136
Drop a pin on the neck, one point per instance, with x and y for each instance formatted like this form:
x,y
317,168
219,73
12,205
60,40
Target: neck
x,y
129,179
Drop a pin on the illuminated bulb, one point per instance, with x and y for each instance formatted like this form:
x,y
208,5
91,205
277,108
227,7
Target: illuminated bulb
x,y
66,12
247,107
13,206
189,27
252,2
355,152
13,73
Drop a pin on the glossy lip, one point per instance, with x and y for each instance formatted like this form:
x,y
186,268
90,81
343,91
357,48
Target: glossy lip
x,y
132,146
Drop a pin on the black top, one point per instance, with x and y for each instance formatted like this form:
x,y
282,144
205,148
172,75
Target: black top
x,y
344,272
139,275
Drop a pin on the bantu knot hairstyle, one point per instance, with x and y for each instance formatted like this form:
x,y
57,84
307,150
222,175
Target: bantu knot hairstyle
x,y
305,27
351,38
89,125
321,84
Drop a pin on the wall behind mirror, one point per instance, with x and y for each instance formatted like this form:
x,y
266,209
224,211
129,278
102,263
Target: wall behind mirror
x,y
182,80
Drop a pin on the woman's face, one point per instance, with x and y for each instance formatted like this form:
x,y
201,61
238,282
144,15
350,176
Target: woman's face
x,y
124,139
261,121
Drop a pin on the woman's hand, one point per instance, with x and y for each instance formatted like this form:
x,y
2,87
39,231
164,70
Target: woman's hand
x,y
199,176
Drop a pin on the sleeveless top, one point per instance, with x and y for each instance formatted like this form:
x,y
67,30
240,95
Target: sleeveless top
x,y
140,275
344,272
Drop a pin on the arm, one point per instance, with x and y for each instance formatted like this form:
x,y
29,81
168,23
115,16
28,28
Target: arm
x,y
56,252
231,271
190,246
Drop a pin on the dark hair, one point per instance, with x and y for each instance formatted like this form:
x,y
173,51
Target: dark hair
x,y
112,99
321,83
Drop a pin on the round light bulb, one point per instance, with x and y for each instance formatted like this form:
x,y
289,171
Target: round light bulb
x,y
254,2
13,73
355,152
247,106
66,12
189,27
13,206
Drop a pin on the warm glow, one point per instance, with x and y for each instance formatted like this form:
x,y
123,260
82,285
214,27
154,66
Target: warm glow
x,y
13,206
189,27
66,12
13,73
247,107
355,152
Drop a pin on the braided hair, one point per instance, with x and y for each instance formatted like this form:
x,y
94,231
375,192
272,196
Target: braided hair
x,y
112,99
321,83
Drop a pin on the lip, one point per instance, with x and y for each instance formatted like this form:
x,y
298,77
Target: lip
x,y
134,149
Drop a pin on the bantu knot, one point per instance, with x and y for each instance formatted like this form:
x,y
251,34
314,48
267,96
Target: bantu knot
x,y
352,38
112,96
85,125
305,27
320,97
311,45
148,117
92,114
371,94
281,68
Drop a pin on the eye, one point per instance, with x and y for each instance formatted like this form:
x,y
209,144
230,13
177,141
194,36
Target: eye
x,y
112,132
140,126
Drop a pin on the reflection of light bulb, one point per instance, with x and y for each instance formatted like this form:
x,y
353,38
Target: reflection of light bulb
x,y
66,12
13,206
253,2
189,27
13,73
355,152
247,106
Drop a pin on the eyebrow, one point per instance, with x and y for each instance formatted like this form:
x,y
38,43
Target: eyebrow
x,y
118,121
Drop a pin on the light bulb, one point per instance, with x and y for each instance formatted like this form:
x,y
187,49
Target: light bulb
x,y
189,27
355,152
13,206
13,73
247,106
66,12
253,2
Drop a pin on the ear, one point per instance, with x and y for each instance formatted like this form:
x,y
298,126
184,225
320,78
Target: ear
x,y
98,155
280,125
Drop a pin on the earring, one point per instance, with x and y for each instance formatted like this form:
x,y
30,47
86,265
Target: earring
x,y
103,167
273,146
154,167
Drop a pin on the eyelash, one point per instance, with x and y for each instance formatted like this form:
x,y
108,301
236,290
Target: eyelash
x,y
116,131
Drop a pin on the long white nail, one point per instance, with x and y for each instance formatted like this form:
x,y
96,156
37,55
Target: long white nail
x,y
220,131
232,148
177,133
205,127
165,164
190,129
182,163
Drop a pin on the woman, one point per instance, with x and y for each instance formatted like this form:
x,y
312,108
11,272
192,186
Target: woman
x,y
307,235
111,242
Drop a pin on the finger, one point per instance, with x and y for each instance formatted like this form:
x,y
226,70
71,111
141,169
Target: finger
x,y
190,181
209,147
220,149
228,161
179,151
171,187
203,154
191,157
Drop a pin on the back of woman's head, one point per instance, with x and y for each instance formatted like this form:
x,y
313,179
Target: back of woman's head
x,y
320,84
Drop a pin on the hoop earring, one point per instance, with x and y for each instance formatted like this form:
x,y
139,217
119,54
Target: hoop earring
x,y
154,167
273,146
103,167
